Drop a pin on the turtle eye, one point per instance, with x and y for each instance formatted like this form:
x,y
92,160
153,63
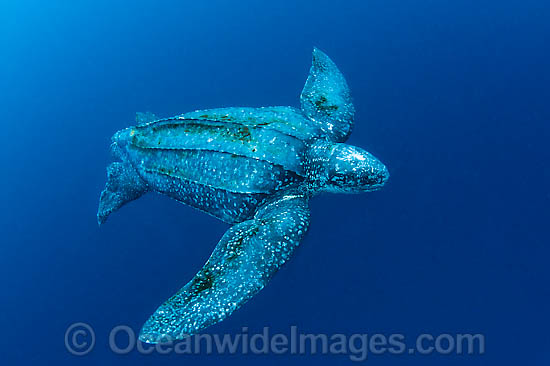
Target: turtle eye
x,y
338,178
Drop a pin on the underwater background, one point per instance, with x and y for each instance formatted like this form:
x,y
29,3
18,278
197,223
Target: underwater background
x,y
453,96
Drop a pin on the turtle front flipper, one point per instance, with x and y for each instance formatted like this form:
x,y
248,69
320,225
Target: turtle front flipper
x,y
326,98
242,263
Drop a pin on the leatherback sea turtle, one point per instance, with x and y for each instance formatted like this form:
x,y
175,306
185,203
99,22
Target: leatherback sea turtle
x,y
254,168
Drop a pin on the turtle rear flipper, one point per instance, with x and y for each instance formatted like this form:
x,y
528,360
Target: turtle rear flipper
x,y
123,185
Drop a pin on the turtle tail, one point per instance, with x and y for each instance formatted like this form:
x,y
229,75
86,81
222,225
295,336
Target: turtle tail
x,y
123,185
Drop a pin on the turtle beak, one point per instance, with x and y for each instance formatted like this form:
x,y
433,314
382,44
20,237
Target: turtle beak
x,y
374,174
382,175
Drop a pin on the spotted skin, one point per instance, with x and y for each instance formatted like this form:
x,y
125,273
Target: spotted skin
x,y
254,168
242,263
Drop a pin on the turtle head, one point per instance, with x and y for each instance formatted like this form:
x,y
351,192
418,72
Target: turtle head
x,y
351,169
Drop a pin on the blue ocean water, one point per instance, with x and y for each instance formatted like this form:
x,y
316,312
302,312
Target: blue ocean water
x,y
452,96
